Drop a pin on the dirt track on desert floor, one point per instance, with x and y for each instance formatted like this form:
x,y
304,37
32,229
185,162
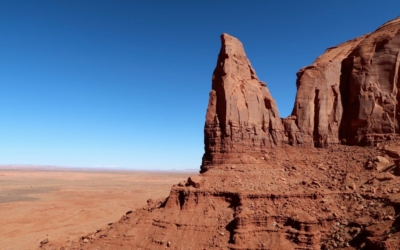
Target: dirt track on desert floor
x,y
64,205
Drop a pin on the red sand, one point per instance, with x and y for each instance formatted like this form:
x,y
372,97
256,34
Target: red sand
x,y
63,205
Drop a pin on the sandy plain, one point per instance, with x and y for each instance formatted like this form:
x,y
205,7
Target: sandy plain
x,y
63,205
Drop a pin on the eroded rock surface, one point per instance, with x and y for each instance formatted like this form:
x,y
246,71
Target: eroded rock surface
x,y
259,189
299,199
350,93
318,109
370,79
242,117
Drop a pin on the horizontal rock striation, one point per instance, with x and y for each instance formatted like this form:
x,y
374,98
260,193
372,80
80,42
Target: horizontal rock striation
x,y
311,199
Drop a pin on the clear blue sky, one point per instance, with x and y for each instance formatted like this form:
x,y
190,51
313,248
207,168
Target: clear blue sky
x,y
125,83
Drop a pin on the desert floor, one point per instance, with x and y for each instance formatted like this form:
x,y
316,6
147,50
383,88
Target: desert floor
x,y
63,205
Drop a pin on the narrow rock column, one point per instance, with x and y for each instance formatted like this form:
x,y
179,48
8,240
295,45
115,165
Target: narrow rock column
x,y
242,116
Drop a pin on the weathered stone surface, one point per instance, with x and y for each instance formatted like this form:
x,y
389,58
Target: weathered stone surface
x,y
255,193
196,181
379,166
318,107
381,163
393,152
242,117
45,241
382,160
350,93
267,206
384,176
370,80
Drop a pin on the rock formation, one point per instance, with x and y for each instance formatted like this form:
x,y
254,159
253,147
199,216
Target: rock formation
x,y
350,93
242,117
318,109
370,80
259,189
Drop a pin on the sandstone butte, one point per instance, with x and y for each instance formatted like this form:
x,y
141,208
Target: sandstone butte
x,y
326,177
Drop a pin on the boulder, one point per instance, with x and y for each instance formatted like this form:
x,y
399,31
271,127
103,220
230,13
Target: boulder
x,y
384,176
393,152
195,181
382,160
45,241
379,166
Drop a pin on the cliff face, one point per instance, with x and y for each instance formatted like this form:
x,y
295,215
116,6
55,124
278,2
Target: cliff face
x,y
370,86
242,117
318,109
350,93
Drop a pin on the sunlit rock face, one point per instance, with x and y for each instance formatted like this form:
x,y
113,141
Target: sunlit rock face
x,y
318,108
350,93
370,86
242,117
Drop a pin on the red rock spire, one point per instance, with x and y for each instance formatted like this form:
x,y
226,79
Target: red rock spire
x,y
242,117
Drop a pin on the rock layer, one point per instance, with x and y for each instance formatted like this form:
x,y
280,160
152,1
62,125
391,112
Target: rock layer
x,y
304,199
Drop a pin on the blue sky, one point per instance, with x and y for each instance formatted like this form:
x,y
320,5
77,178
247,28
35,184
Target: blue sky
x,y
124,84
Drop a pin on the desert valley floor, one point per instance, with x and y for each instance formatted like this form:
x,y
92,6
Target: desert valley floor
x,y
61,205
